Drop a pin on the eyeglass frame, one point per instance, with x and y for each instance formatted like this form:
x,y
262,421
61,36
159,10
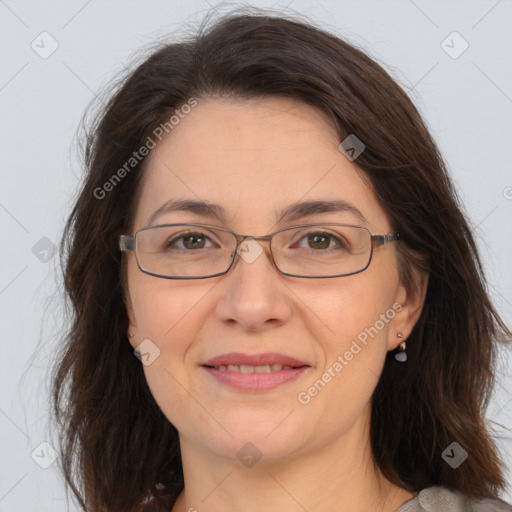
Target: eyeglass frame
x,y
128,243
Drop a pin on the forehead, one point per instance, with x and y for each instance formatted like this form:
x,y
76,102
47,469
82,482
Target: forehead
x,y
253,157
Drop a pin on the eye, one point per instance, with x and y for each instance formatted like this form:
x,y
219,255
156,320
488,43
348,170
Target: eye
x,y
191,240
323,240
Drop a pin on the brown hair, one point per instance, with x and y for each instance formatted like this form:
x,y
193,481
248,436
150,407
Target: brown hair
x,y
118,449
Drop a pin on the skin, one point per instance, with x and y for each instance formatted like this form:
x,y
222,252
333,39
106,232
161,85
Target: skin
x,y
255,157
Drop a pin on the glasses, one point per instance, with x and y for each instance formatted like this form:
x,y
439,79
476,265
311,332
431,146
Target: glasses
x,y
199,251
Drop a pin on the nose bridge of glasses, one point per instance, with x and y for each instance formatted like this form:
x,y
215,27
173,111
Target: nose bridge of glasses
x,y
252,248
241,238
257,239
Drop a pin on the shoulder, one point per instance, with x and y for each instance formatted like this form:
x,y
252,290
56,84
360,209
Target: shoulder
x,y
442,499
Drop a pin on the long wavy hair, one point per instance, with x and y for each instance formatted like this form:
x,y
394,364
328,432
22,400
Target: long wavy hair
x,y
119,453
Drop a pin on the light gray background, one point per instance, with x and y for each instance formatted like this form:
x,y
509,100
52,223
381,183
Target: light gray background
x,y
466,101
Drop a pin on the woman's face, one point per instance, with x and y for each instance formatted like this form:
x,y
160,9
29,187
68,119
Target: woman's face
x,y
255,158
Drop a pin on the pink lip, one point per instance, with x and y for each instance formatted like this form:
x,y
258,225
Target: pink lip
x,y
255,381
238,358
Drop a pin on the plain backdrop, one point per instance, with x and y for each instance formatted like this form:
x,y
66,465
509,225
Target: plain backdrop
x,y
453,58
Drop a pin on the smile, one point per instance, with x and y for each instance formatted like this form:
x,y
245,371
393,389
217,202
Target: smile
x,y
248,378
246,368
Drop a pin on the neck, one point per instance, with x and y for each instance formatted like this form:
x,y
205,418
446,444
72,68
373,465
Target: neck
x,y
338,475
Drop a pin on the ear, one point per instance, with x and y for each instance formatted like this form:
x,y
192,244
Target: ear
x,y
132,325
411,298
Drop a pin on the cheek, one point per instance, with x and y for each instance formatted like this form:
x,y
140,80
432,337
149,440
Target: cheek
x,y
350,324
357,307
169,315
168,320
163,307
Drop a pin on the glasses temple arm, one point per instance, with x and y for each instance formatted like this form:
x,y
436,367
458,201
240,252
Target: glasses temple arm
x,y
384,239
126,243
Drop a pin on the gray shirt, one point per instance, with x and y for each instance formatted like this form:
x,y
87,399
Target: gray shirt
x,y
441,499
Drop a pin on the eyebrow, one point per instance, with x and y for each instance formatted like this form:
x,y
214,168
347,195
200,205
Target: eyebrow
x,y
292,212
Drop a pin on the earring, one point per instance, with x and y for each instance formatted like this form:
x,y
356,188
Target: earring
x,y
130,335
401,355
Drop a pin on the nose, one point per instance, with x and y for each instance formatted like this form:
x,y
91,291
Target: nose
x,y
254,295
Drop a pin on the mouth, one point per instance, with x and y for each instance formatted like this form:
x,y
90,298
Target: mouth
x,y
245,368
260,372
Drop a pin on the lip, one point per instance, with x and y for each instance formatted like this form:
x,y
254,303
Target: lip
x,y
255,382
238,358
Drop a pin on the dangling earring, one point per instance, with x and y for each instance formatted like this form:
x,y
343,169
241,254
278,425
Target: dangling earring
x,y
401,355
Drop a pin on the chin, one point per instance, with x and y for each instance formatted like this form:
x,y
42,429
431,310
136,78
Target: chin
x,y
265,440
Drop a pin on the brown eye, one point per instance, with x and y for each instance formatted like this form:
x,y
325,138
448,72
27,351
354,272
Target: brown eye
x,y
189,241
194,241
322,241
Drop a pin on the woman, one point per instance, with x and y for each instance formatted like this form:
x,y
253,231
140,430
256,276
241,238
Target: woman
x,y
268,226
